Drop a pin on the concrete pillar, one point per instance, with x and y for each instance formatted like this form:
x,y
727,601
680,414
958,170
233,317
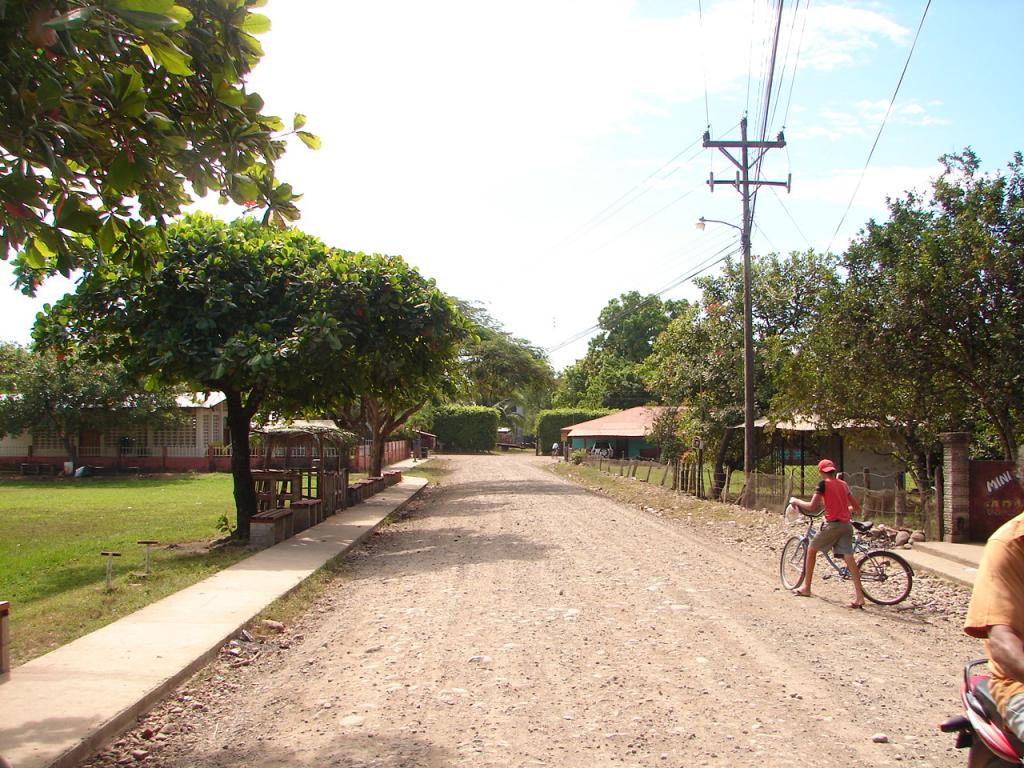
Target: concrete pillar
x,y
956,490
5,641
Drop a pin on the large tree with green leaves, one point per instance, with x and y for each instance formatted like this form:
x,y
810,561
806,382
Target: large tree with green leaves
x,y
114,112
610,375
698,360
925,333
67,395
501,370
240,308
404,353
13,359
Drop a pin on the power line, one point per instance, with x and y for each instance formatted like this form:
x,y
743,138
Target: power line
x,y
704,64
784,208
770,78
599,218
689,275
644,220
796,62
878,136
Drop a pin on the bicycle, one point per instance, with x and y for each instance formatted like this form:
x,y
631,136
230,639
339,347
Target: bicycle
x,y
885,576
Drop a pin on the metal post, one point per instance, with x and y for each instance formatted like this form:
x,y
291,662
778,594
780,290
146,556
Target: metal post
x,y
148,543
110,568
749,444
743,185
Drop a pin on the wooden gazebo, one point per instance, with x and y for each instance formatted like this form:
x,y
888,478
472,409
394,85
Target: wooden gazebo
x,y
303,460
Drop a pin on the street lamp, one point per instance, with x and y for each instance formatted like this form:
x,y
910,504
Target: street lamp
x,y
702,221
749,443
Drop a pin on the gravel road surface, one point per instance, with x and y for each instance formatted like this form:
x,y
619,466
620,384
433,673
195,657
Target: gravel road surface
x,y
511,618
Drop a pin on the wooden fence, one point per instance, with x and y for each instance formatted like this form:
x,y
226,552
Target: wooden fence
x,y
893,505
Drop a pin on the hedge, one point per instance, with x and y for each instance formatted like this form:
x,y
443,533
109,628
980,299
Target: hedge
x,y
466,427
550,423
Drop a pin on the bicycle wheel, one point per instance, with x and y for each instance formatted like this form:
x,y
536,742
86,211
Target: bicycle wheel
x,y
793,562
886,577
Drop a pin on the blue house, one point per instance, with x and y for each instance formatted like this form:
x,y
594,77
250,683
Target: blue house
x,y
623,435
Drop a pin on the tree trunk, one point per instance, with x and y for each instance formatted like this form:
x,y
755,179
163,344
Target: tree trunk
x,y
377,453
245,494
69,448
718,483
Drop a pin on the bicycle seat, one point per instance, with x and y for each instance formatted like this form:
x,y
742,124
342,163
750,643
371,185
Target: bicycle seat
x,y
863,527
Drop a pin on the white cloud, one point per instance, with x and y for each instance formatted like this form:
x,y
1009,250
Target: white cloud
x,y
471,136
864,119
878,183
837,35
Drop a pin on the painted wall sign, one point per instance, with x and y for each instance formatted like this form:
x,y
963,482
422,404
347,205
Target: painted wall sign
x,y
996,496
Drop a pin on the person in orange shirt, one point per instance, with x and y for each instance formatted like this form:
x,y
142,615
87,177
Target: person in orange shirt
x,y
996,613
837,532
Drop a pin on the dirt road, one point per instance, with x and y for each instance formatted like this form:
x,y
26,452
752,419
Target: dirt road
x,y
513,619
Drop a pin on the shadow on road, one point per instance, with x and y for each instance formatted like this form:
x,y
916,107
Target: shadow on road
x,y
342,750
414,550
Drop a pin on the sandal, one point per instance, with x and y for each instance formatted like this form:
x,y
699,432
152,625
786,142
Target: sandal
x,y
856,606
798,593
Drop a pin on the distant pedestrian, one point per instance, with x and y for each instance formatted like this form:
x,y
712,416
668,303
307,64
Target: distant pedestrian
x,y
555,449
837,532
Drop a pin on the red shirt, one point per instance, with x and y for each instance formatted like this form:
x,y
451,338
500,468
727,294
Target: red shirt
x,y
837,499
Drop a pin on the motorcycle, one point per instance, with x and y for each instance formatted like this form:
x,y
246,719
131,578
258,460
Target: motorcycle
x,y
981,727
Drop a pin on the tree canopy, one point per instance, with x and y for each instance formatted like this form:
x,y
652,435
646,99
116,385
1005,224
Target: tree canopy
x,y
114,113
924,334
698,361
610,375
241,308
404,353
498,366
65,395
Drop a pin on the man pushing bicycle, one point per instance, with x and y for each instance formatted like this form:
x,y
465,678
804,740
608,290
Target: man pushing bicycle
x,y
837,532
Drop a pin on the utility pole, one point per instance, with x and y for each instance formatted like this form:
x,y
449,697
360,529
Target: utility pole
x,y
743,184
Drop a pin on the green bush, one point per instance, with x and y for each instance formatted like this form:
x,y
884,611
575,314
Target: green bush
x,y
550,423
466,427
578,456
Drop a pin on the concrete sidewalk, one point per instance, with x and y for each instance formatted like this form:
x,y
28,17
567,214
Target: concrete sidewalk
x,y
59,708
956,562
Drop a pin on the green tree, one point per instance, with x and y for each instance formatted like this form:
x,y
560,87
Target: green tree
x,y
114,113
610,374
68,395
501,369
925,334
698,360
239,308
13,359
631,323
404,353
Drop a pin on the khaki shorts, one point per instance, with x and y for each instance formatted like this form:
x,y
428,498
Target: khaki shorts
x,y
1014,715
837,535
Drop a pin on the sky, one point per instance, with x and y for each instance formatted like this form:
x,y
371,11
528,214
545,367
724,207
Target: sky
x,y
545,156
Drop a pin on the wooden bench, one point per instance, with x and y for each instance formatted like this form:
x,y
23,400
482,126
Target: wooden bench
x,y
358,491
270,527
37,468
5,641
306,513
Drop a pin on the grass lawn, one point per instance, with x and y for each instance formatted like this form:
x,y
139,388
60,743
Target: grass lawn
x,y
53,531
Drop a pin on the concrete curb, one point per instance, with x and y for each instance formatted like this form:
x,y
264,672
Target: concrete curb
x,y
62,707
939,565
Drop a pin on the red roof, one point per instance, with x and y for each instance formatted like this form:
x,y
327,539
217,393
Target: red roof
x,y
633,422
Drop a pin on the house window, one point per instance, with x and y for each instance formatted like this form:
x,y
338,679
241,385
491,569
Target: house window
x,y
46,438
129,441
177,435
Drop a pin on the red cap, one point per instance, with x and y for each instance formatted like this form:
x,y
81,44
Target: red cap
x,y
826,465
